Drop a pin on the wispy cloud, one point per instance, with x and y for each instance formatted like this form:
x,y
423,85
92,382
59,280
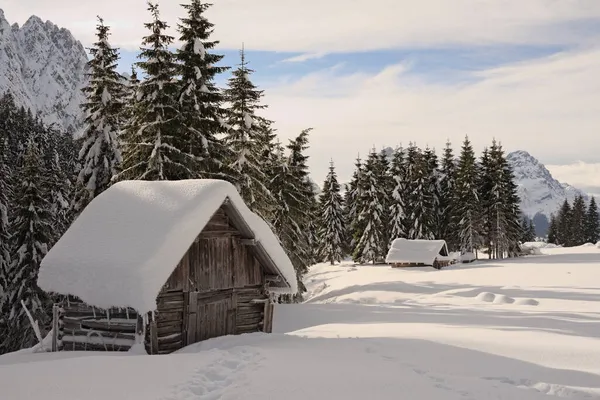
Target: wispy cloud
x,y
584,176
343,26
305,57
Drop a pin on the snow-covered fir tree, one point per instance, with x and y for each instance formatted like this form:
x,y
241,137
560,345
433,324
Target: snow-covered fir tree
x,y
295,199
528,230
352,206
5,195
154,144
201,101
447,229
398,196
105,93
416,188
369,246
386,185
511,208
553,230
466,199
245,138
431,212
32,232
592,223
499,205
563,225
332,233
578,214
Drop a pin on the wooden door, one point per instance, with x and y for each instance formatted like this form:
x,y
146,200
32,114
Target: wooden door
x,y
210,316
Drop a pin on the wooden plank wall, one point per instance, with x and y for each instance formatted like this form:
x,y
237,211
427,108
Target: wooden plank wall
x,y
164,333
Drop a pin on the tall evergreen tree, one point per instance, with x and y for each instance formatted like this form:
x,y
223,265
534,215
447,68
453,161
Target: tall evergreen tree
x,y
245,138
369,246
564,234
466,198
447,230
416,187
592,223
332,234
578,214
398,196
31,240
295,199
200,100
385,185
352,206
5,195
510,206
489,201
154,145
553,230
105,94
431,190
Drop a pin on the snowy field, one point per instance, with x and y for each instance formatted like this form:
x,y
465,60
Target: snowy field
x,y
518,329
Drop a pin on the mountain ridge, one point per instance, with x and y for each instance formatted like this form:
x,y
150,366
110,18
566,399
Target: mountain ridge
x,y
43,66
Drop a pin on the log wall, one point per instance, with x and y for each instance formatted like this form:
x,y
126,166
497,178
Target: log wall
x,y
82,327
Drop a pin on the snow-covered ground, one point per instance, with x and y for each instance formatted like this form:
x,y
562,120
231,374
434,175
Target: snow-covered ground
x,y
518,329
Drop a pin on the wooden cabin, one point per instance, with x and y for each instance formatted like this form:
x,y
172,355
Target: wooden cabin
x,y
167,263
418,253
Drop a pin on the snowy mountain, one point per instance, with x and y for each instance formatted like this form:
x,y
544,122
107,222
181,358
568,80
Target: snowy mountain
x,y
541,194
43,66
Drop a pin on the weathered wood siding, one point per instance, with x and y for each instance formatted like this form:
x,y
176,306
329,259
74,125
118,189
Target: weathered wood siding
x,y
215,284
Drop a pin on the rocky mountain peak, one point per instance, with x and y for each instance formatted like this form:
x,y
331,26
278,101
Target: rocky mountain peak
x,y
43,66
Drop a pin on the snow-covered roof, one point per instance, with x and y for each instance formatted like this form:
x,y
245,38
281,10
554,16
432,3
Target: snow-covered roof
x,y
415,251
126,243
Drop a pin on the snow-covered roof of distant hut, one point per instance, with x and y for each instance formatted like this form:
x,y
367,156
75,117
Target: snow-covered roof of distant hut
x,y
126,243
416,251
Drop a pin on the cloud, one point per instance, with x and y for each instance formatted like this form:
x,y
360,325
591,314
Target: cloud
x,y
549,106
305,57
584,176
314,26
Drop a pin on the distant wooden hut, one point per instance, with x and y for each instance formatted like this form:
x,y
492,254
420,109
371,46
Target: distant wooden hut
x,y
417,253
167,264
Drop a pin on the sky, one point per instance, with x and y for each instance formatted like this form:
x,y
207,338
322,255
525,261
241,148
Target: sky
x,y
377,73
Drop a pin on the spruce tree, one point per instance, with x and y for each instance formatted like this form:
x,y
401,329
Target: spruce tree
x,y
154,145
398,196
105,98
200,100
466,198
416,187
5,195
295,199
432,214
553,230
578,214
352,206
564,225
385,185
245,138
32,232
510,206
531,234
332,234
489,201
369,246
447,230
592,223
